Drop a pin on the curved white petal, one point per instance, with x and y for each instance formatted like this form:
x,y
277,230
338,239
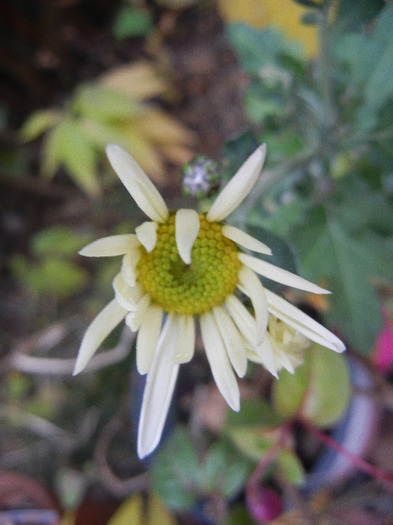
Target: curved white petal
x,y
238,187
134,319
216,354
140,187
97,332
242,319
128,266
147,235
110,246
186,335
186,231
147,338
266,356
233,341
123,294
307,326
158,393
246,241
279,275
252,287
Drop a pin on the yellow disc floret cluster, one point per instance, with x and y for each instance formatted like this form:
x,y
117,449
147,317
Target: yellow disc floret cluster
x,y
190,288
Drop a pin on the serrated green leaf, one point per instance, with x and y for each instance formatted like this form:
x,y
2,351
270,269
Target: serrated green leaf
x,y
309,394
331,248
39,122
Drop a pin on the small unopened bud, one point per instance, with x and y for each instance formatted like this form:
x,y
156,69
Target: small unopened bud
x,y
200,177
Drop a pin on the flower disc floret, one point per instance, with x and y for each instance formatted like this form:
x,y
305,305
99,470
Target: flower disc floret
x,y
191,288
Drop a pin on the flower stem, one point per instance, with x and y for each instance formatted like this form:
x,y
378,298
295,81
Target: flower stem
x,y
360,463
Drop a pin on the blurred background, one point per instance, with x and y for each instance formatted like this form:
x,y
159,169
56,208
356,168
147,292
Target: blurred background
x,y
171,81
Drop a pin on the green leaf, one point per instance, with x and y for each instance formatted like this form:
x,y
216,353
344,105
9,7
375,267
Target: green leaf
x,y
68,145
253,412
176,471
39,122
259,48
132,22
309,394
292,467
223,470
102,104
369,57
340,243
57,240
136,511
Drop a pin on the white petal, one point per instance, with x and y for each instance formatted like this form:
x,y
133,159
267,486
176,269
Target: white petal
x,y
252,287
110,246
279,275
218,360
147,235
187,229
242,319
307,326
97,332
186,339
233,341
134,319
137,183
123,294
245,240
128,266
238,187
147,339
157,396
266,356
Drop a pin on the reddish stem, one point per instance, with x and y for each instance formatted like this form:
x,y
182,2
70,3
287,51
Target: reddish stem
x,y
356,460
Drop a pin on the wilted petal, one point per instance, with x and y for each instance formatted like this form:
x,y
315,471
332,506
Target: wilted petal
x,y
97,332
252,287
245,240
238,187
147,339
110,246
128,266
303,323
233,341
123,294
140,187
279,275
218,360
147,235
157,396
186,231
134,319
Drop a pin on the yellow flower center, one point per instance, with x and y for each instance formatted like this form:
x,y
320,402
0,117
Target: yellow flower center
x,y
190,288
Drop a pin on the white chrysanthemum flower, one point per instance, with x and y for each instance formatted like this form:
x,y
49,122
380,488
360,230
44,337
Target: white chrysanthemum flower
x,y
182,266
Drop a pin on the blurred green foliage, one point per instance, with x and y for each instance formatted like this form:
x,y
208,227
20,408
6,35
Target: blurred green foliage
x,y
327,186
54,272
